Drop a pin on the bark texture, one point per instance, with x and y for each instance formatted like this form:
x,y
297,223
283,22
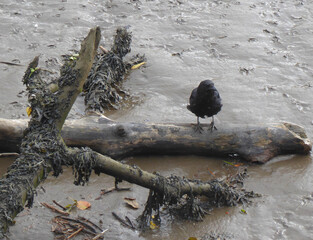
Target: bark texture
x,y
118,140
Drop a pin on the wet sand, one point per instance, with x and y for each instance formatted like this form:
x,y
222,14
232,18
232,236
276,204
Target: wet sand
x,y
258,53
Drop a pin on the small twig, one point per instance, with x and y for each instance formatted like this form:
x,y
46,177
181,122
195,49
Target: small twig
x,y
116,189
9,154
80,222
43,189
212,173
122,189
59,205
99,235
77,225
88,221
112,189
120,219
55,209
130,222
103,191
75,233
39,163
10,63
123,222
104,50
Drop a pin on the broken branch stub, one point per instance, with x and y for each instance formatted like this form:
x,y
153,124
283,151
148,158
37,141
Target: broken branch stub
x,y
75,74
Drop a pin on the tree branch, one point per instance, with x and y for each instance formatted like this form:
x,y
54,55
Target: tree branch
x,y
42,146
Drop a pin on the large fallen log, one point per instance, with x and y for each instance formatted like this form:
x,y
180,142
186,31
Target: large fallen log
x,y
118,140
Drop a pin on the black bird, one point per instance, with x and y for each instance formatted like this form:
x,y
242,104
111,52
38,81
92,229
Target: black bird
x,y
204,101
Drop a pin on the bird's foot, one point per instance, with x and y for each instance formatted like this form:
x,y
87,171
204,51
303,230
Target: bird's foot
x,y
197,128
212,127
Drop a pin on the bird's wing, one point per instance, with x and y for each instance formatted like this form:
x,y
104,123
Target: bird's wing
x,y
193,97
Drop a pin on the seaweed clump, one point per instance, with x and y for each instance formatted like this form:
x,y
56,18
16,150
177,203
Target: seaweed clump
x,y
39,149
83,164
184,205
103,89
42,147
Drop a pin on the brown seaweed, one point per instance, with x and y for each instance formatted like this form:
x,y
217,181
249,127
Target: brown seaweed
x,y
103,89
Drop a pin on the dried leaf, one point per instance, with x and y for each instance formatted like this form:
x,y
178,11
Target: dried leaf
x,y
211,172
229,163
69,207
29,111
153,225
235,165
131,202
137,65
238,164
83,205
192,238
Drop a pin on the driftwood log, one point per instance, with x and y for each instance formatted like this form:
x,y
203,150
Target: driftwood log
x,y
118,140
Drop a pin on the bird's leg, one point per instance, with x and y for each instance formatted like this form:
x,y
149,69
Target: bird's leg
x,y
117,180
198,127
212,126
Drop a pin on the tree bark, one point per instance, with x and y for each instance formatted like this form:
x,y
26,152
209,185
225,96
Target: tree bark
x,y
118,140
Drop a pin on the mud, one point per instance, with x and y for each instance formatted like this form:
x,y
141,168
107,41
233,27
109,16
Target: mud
x,y
259,55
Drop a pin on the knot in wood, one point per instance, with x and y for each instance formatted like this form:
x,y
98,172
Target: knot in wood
x,y
120,131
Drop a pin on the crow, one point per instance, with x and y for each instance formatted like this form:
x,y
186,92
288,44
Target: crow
x,y
204,101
